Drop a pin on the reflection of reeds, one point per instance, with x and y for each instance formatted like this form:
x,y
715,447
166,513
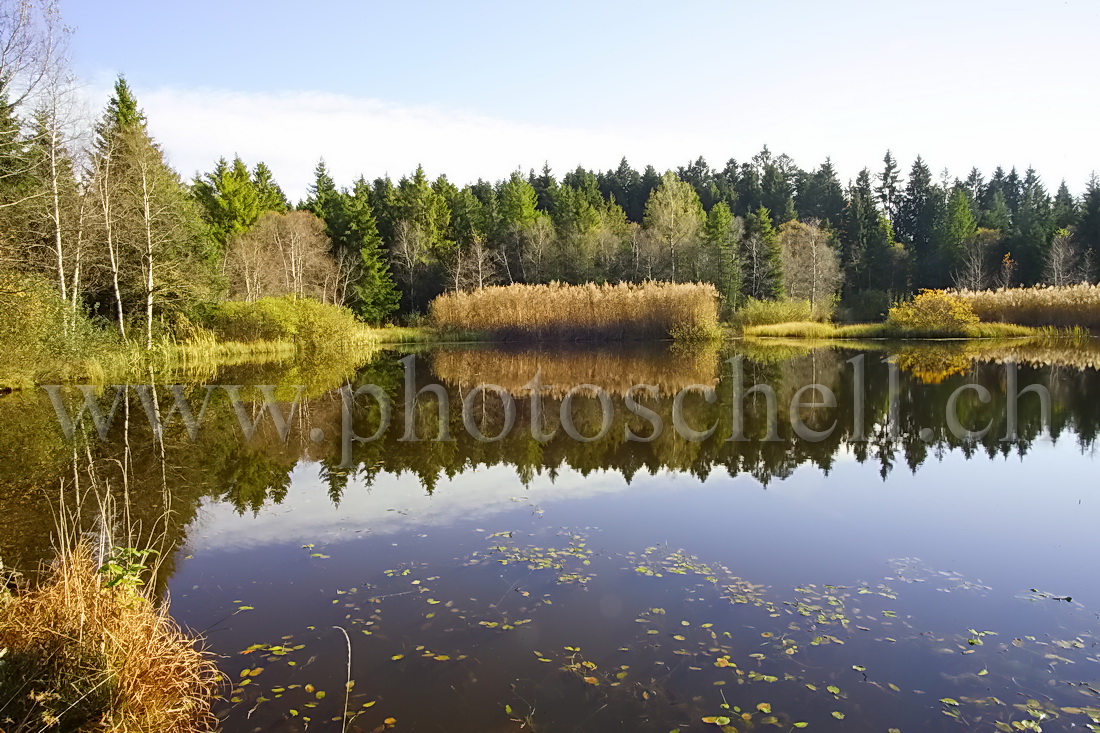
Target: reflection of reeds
x,y
615,370
649,310
1042,352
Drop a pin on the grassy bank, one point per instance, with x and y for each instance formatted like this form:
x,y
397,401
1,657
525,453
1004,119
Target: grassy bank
x,y
932,314
887,330
556,312
85,649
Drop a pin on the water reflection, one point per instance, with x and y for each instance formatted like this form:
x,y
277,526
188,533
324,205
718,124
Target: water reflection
x,y
173,472
913,535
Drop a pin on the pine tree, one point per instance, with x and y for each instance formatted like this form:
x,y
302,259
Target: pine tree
x,y
376,296
1032,230
619,186
1088,227
722,234
271,196
858,235
149,224
954,231
1065,208
918,209
761,257
887,188
228,199
821,196
997,216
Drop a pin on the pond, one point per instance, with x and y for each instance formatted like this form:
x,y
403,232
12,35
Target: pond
x,y
865,564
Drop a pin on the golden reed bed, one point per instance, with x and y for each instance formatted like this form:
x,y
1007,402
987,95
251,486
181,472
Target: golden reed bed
x,y
557,312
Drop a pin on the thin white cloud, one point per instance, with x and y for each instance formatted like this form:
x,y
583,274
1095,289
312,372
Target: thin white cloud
x,y
290,131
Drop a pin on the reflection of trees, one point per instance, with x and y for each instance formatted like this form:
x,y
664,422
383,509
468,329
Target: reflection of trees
x,y
160,485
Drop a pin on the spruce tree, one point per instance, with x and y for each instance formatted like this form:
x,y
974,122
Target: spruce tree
x,y
376,296
762,259
721,234
1088,227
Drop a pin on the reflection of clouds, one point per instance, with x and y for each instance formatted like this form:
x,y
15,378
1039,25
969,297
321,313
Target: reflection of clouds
x,y
391,504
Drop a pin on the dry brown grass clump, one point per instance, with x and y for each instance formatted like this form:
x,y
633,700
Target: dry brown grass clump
x,y
1068,305
557,312
82,656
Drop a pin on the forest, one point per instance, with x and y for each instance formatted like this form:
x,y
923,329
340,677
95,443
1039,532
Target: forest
x,y
92,211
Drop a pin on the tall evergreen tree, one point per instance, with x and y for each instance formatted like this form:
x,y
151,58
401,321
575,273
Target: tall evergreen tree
x,y
887,188
228,199
1032,229
762,262
821,196
271,196
722,232
158,261
918,209
954,231
376,296
1088,226
1065,208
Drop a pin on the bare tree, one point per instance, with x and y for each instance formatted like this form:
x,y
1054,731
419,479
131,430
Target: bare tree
x,y
674,216
285,254
811,270
408,254
105,191
33,49
976,271
480,269
536,248
1063,264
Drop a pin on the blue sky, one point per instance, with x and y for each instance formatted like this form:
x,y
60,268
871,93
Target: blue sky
x,y
479,89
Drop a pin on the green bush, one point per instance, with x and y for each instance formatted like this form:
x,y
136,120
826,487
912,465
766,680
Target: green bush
x,y
308,324
766,312
43,335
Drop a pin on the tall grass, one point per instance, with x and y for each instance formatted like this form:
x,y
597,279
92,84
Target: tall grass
x,y
886,330
43,338
85,655
557,312
763,312
1066,306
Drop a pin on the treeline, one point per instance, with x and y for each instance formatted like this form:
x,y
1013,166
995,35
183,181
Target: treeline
x,y
120,235
760,229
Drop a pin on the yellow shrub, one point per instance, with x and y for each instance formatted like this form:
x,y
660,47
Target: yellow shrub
x,y
934,311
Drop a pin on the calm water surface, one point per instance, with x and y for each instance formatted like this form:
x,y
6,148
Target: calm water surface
x,y
908,581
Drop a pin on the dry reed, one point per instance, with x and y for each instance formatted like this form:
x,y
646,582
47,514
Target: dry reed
x,y
557,312
1066,306
82,656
